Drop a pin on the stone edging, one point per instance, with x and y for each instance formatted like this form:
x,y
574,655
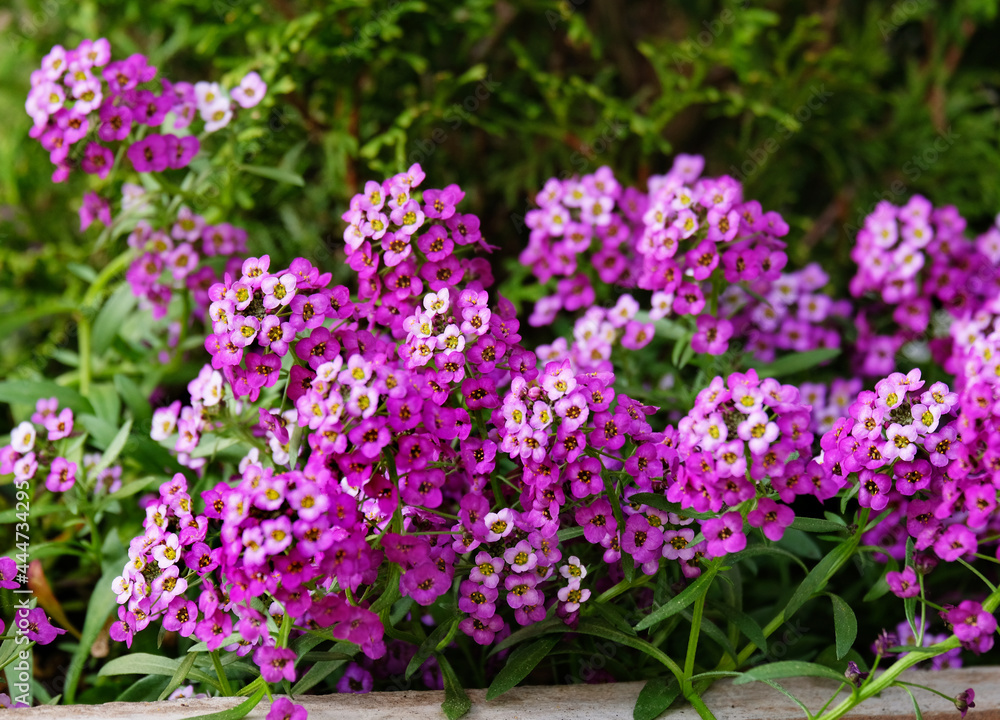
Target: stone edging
x,y
754,701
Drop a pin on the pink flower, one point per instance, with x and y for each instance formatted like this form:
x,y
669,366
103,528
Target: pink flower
x,y
724,535
903,584
771,517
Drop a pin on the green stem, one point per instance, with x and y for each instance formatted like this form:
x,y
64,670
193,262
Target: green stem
x,y
698,704
106,275
982,577
83,340
692,648
227,689
928,689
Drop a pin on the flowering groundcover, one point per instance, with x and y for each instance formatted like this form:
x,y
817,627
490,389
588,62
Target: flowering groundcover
x,y
371,482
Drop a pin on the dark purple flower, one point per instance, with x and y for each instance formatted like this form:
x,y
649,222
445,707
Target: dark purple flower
x,y
97,160
150,154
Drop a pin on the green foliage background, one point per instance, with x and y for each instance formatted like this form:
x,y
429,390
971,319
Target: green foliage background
x,y
821,107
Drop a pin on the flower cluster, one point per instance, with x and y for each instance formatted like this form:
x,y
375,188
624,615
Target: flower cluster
x,y
794,315
80,93
915,259
28,451
680,240
170,259
746,437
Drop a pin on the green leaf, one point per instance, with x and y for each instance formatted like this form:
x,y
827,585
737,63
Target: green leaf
x,y
655,500
107,404
238,712
815,525
110,319
101,605
747,625
794,363
845,625
456,701
135,399
321,670
149,664
526,633
115,448
789,668
816,580
276,174
656,696
759,550
916,706
428,646
680,601
28,392
180,675
520,663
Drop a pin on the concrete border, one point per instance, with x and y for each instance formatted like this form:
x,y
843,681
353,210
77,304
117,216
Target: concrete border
x,y
754,701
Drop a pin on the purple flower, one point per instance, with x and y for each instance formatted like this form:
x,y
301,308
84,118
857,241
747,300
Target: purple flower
x,y
151,154
38,627
180,150
97,160
712,336
250,91
355,680
62,475
116,122
8,571
94,208
903,584
275,663
771,517
972,625
284,709
724,534
964,701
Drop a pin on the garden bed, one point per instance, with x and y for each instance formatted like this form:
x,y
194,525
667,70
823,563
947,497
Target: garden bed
x,y
754,701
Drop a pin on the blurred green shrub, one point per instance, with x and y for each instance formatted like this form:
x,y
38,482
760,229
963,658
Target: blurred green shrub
x,y
821,108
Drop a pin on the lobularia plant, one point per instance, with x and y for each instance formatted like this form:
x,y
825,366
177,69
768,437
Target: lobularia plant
x,y
375,477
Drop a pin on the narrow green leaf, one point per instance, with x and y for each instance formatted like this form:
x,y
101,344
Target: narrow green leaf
x,y
789,668
109,320
182,672
238,712
101,605
916,706
456,701
680,601
315,675
115,448
428,646
759,550
656,696
815,525
655,500
748,626
276,174
529,632
845,625
28,392
816,580
133,396
520,663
